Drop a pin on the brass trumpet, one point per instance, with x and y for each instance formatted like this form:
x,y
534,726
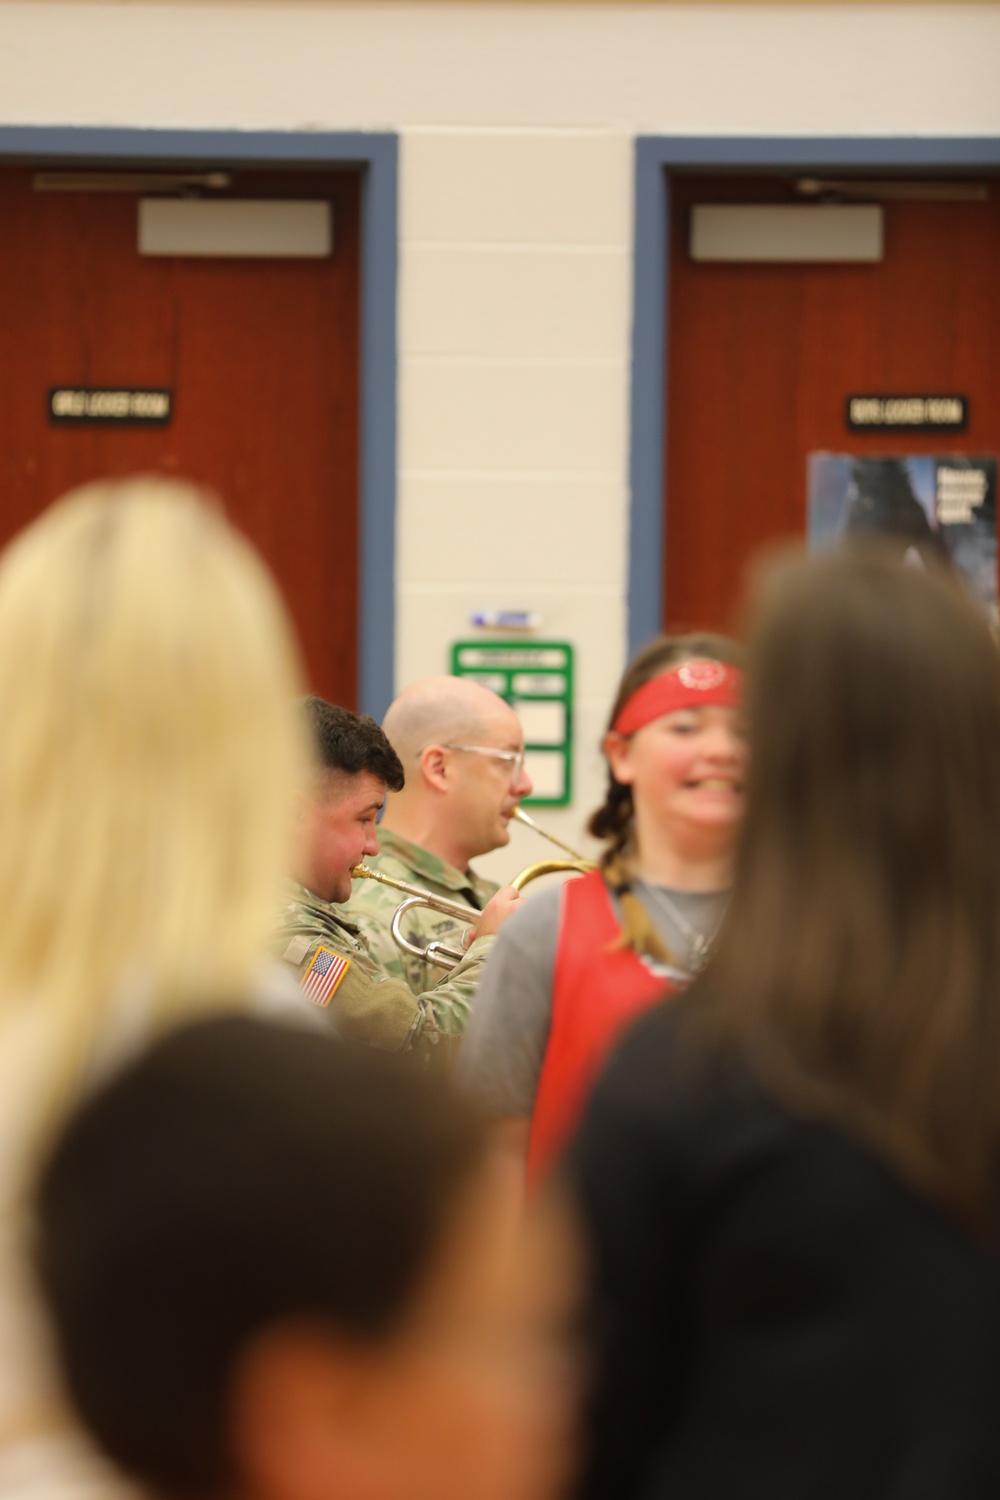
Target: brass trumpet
x,y
575,863
442,954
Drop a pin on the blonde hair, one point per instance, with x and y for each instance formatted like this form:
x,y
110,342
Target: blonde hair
x,y
148,755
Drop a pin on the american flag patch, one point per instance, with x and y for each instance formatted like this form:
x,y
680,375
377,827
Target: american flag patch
x,y
320,981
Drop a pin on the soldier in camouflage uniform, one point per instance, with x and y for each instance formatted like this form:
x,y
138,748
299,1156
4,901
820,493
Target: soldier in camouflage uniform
x,y
462,749
336,969
373,906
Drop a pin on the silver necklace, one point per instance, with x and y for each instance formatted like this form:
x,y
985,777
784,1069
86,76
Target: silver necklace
x,y
700,942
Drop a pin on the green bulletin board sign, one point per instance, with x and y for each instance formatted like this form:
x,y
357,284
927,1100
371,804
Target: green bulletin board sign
x,y
536,679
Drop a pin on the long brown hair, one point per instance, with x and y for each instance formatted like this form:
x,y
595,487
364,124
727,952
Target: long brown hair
x,y
859,965
614,820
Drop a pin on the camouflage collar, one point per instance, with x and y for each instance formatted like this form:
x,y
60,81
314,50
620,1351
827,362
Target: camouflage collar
x,y
422,863
298,894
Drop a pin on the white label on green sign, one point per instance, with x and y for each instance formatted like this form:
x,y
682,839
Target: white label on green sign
x,y
511,656
538,684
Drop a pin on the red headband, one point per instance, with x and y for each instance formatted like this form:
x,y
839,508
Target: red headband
x,y
694,684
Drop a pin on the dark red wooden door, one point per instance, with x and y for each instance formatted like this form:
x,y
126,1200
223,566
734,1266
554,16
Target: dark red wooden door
x,y
262,360
761,358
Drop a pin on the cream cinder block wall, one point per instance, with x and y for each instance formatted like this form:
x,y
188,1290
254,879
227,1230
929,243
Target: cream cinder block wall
x,y
513,364
516,123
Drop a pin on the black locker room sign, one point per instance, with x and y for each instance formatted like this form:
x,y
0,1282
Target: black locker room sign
x,y
119,406
907,413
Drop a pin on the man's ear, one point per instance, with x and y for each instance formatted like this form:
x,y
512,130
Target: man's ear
x,y
297,1417
305,817
434,766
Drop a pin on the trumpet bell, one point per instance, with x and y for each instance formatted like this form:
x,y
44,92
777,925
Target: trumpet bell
x,y
576,864
551,867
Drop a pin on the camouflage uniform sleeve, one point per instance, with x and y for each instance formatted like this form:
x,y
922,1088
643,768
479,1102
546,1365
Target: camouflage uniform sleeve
x,y
368,1005
372,908
449,1003
372,914
365,1005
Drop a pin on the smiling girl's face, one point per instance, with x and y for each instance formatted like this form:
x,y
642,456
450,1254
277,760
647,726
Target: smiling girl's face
x,y
686,769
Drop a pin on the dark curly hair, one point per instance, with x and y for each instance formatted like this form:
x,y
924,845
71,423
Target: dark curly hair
x,y
351,743
613,821
256,1143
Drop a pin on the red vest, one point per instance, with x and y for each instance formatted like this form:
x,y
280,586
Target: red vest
x,y
596,991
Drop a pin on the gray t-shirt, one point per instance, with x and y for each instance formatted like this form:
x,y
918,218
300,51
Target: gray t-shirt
x,y
501,1055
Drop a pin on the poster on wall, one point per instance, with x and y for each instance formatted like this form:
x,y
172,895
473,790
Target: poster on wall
x,y
536,679
945,504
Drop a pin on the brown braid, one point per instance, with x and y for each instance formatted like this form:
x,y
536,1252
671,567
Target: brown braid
x,y
638,929
615,820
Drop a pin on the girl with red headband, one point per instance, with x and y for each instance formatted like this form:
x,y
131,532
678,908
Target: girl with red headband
x,y
569,971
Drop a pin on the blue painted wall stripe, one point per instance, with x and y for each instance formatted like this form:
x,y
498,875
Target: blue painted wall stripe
x,y
377,155
649,343
377,545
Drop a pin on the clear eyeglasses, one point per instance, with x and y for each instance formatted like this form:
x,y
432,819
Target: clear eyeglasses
x,y
512,759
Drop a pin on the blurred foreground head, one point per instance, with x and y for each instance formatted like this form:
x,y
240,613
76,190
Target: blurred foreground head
x,y
147,759
285,1270
862,947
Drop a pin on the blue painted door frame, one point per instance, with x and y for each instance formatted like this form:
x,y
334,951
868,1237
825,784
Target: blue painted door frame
x,y
655,158
376,155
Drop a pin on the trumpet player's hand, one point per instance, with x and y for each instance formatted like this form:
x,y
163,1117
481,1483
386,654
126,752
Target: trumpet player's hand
x,y
497,910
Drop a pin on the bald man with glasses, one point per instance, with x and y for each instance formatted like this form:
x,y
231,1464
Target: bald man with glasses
x,y
462,750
